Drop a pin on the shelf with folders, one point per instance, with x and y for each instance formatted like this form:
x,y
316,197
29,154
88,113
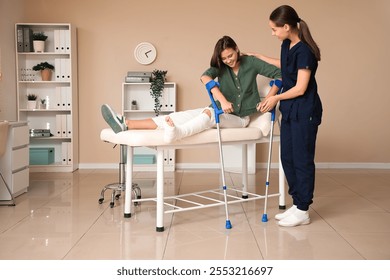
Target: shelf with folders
x,y
55,97
56,108
60,62
140,93
59,37
144,157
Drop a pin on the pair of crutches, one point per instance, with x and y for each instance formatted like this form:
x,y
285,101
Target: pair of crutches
x,y
217,112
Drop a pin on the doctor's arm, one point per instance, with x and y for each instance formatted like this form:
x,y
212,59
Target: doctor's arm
x,y
299,89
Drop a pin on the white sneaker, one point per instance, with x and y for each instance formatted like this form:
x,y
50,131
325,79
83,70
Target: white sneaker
x,y
286,213
299,217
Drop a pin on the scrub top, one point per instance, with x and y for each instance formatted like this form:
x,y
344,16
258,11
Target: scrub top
x,y
308,106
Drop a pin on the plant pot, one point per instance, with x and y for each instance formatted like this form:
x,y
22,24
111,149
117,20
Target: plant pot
x,y
39,46
31,104
46,75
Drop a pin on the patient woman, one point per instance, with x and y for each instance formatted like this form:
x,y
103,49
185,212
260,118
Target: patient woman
x,y
237,95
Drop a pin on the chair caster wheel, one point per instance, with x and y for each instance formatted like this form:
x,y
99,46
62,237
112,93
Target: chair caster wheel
x,y
111,204
101,200
137,203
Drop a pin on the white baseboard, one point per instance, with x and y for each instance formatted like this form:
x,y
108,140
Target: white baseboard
x,y
197,165
319,165
98,166
353,165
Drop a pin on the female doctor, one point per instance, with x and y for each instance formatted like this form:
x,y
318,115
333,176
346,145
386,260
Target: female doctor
x,y
301,109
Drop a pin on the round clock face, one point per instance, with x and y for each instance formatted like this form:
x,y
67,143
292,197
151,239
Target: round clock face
x,y
145,53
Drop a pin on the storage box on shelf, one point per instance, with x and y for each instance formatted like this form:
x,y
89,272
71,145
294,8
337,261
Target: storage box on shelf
x,y
41,156
140,92
60,113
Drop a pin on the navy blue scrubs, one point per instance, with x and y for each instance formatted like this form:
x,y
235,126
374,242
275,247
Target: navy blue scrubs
x,y
301,117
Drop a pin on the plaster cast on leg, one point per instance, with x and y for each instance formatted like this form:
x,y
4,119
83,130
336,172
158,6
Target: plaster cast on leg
x,y
194,126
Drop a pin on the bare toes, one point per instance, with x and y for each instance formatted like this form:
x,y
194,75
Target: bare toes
x,y
169,121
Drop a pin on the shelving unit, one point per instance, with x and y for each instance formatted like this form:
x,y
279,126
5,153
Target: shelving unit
x,y
60,93
140,92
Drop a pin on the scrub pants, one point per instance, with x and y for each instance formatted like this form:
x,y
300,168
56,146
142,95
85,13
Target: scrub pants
x,y
298,140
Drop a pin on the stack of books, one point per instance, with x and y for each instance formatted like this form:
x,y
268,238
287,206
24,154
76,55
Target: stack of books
x,y
138,77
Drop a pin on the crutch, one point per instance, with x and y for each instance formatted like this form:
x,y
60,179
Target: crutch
x,y
211,84
278,83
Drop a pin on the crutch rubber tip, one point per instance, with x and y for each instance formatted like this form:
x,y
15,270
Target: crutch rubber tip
x,y
159,229
228,225
127,215
264,219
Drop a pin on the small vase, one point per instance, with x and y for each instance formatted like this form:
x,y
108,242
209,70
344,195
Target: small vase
x,y
46,75
31,104
39,46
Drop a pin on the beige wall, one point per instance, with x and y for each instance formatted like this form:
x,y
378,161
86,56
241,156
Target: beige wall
x,y
352,75
10,12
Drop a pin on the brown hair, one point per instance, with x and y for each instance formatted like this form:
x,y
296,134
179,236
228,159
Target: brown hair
x,y
287,15
224,43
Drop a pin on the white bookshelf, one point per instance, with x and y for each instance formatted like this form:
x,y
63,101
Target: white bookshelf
x,y
140,92
60,93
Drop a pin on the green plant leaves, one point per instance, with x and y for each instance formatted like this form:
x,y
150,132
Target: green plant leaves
x,y
157,87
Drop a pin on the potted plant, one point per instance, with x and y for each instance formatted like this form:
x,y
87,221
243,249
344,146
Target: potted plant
x,y
43,104
157,87
31,101
39,39
134,105
46,70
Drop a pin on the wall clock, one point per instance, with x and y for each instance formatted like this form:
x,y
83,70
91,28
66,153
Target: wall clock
x,y
145,53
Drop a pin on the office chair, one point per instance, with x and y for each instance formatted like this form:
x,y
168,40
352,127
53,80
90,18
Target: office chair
x,y
117,188
4,127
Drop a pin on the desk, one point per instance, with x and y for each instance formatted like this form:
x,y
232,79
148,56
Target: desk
x,y
14,164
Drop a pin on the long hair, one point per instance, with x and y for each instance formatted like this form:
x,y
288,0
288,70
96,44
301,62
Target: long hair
x,y
287,15
224,43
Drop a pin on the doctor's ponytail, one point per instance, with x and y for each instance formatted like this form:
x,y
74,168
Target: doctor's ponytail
x,y
287,15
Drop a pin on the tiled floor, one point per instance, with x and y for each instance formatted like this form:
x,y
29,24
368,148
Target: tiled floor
x,y
60,218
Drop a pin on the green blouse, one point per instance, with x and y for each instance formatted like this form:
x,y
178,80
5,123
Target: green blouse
x,y
241,89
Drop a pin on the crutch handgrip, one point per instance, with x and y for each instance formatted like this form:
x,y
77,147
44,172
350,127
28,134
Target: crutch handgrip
x,y
279,84
217,111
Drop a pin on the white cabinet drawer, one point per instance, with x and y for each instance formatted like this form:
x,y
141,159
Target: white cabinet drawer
x,y
20,181
18,185
20,136
20,158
